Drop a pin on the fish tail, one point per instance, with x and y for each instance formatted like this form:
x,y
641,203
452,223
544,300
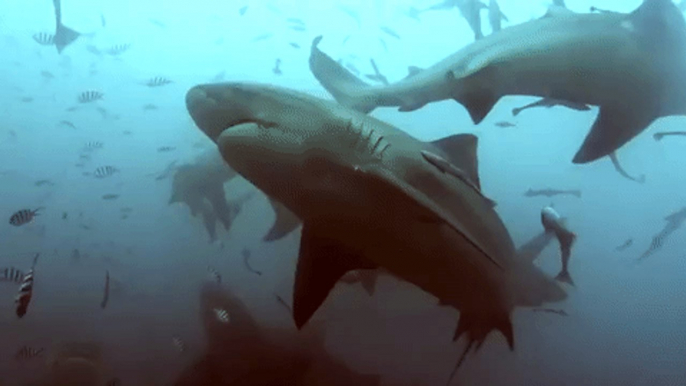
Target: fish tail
x,y
564,277
345,87
516,111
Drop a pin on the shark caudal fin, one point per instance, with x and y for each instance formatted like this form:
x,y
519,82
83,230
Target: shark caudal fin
x,y
345,87
566,238
564,277
64,36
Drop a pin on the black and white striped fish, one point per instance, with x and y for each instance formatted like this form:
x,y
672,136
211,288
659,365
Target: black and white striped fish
x,y
214,274
11,274
44,38
105,171
27,353
158,81
118,49
23,216
25,294
90,96
179,344
222,315
93,145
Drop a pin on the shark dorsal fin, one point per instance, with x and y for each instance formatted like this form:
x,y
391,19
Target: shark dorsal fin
x,y
412,71
460,150
557,11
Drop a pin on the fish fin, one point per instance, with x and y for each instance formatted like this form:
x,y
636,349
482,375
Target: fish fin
x,y
503,17
322,262
285,222
461,150
412,71
478,104
345,87
614,127
557,11
407,107
530,250
476,328
64,36
368,279
565,277
566,238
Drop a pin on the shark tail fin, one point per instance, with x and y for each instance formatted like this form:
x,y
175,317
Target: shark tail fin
x,y
64,36
345,87
516,111
566,238
565,277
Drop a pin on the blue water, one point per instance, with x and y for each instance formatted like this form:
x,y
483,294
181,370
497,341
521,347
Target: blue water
x,y
625,323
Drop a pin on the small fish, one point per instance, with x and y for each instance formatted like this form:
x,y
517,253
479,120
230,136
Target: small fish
x,y
179,344
44,182
284,304
126,209
25,294
90,96
68,124
47,74
110,196
214,274
551,311
222,315
165,149
44,38
383,44
277,67
103,112
299,28
149,107
64,215
262,37
390,32
377,76
72,109
114,382
295,20
106,294
118,49
157,23
27,99
629,242
105,171
448,168
93,50
242,10
158,81
505,124
11,274
552,192
23,216
295,45
93,145
27,353
246,257
76,255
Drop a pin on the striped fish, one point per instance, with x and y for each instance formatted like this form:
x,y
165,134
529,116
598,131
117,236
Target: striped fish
x,y
93,145
23,216
105,171
179,344
27,353
44,38
11,274
90,96
26,290
118,49
222,315
214,275
158,81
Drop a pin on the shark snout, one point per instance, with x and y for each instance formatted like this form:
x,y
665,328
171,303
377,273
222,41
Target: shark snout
x,y
204,110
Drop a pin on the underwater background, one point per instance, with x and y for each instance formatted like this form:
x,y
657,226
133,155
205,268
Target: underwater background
x,y
625,322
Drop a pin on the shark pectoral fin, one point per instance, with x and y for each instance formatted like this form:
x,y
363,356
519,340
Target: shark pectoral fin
x,y
368,279
343,85
285,223
614,127
322,262
530,250
460,150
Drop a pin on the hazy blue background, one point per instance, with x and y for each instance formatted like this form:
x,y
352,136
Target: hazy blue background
x,y
626,323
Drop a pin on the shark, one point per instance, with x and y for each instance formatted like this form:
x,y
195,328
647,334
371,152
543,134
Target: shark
x,y
64,36
631,65
369,197
241,351
201,187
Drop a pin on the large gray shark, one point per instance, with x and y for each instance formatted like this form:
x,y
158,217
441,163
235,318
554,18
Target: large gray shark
x,y
633,66
369,197
241,352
